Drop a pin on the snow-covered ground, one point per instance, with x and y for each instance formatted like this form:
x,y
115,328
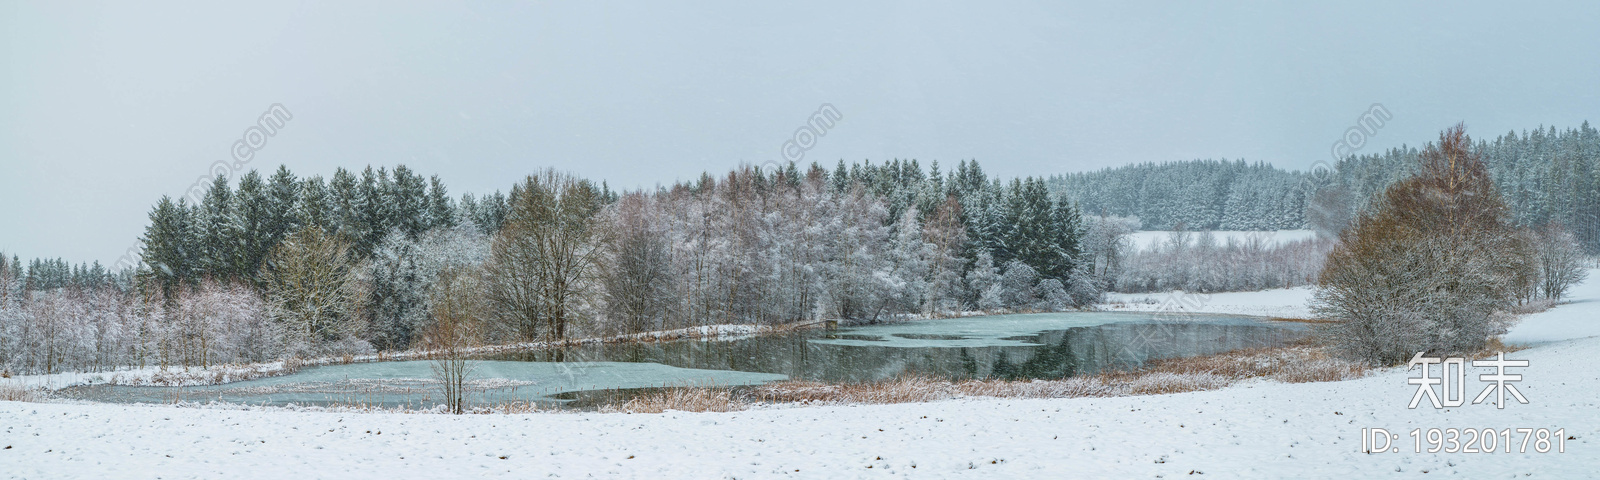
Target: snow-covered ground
x,y
1578,318
1145,239
1280,302
1255,430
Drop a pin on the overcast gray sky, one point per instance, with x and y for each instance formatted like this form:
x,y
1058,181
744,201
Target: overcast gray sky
x,y
107,106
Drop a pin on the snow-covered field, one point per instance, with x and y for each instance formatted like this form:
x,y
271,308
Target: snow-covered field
x,y
1255,430
1279,302
1146,239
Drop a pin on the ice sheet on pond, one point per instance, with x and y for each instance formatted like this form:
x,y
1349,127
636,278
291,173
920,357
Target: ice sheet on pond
x,y
411,383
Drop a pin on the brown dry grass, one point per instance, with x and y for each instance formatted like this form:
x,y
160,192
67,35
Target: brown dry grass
x,y
904,389
1161,383
1293,364
1302,320
1063,388
512,408
18,393
1493,347
912,389
681,399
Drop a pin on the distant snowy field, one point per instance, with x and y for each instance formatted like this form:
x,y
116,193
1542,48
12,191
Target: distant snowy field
x,y
1278,302
1144,240
1254,430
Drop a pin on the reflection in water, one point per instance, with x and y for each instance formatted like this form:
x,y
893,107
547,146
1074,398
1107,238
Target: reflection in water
x,y
1008,346
872,353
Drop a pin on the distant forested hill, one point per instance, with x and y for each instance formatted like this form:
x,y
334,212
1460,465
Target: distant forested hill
x,y
1197,195
1547,175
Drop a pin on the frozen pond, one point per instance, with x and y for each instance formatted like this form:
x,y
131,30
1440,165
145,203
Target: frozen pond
x,y
972,347
1049,345
411,384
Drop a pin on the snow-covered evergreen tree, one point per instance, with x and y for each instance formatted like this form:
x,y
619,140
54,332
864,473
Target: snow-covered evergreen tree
x,y
252,221
315,205
344,215
409,209
169,249
441,209
218,244
282,218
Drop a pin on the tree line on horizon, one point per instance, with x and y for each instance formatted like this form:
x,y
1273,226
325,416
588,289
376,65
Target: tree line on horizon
x,y
1545,175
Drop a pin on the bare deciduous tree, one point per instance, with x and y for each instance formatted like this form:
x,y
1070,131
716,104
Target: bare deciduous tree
x,y
458,326
542,266
218,322
312,291
1428,267
1560,261
638,279
945,231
